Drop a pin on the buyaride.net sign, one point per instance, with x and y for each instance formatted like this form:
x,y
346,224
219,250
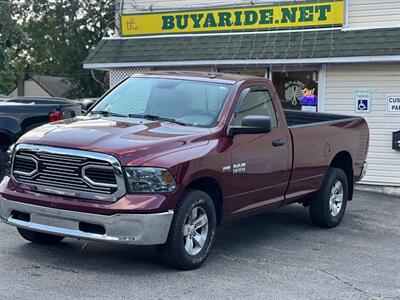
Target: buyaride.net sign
x,y
265,17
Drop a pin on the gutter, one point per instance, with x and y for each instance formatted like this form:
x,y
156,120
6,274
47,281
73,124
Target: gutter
x,y
216,62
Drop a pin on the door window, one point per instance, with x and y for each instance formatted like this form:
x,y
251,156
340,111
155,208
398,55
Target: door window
x,y
257,102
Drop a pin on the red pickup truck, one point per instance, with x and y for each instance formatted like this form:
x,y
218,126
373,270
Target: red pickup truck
x,y
164,158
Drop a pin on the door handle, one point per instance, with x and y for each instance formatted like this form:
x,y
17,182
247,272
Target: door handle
x,y
278,143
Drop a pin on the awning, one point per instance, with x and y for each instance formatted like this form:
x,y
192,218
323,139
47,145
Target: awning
x,y
310,46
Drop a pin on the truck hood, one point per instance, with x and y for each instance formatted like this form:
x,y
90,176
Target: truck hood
x,y
132,141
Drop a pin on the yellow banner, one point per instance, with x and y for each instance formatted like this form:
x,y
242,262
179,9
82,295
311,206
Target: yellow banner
x,y
321,14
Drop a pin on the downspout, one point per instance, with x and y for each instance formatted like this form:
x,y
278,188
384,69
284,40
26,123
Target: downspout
x,y
119,4
346,14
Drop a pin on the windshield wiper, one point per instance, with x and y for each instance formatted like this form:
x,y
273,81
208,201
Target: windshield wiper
x,y
107,113
157,118
144,116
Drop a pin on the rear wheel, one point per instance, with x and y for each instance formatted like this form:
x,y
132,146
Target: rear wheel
x,y
192,232
39,238
327,208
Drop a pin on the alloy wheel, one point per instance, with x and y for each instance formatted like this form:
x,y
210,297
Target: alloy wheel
x,y
336,198
195,231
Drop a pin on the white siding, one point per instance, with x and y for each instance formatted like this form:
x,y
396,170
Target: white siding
x,y
382,79
32,89
14,93
373,13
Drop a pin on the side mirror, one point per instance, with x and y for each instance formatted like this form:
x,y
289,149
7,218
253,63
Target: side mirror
x,y
252,125
87,104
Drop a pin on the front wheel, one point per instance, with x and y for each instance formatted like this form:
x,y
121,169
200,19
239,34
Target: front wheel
x,y
39,238
327,208
192,232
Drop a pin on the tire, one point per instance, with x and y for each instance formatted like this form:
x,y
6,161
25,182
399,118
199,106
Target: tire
x,y
2,163
39,238
177,252
323,212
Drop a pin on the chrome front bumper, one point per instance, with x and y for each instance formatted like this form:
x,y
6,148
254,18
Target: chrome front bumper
x,y
136,229
363,171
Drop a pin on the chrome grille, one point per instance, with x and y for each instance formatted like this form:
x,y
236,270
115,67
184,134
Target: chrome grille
x,y
25,165
68,172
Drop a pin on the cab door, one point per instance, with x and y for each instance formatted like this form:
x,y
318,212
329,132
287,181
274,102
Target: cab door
x,y
260,162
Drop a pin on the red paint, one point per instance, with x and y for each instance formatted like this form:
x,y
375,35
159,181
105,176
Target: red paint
x,y
274,175
55,116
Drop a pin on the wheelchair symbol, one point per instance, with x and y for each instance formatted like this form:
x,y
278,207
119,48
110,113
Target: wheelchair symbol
x,y
363,105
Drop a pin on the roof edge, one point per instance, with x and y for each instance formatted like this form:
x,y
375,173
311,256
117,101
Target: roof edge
x,y
179,35
348,59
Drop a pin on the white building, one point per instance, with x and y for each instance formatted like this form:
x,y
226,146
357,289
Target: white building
x,y
42,86
348,54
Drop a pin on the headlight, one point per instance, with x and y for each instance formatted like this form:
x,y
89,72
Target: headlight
x,y
149,180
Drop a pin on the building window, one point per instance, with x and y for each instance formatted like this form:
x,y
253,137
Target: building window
x,y
297,90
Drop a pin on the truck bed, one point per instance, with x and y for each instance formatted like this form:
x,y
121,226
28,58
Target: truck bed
x,y
316,139
295,118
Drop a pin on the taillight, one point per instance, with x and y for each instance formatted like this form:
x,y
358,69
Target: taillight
x,y
55,116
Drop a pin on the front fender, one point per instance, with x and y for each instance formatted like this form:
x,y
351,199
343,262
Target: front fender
x,y
189,165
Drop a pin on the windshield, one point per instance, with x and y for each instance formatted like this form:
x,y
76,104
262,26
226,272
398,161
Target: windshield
x,y
187,102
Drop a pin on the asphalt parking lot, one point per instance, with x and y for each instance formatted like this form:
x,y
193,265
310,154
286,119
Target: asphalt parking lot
x,y
277,255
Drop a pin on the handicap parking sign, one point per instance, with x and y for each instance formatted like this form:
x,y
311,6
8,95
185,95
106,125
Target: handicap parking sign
x,y
362,104
363,101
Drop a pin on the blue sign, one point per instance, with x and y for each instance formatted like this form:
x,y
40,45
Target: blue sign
x,y
362,104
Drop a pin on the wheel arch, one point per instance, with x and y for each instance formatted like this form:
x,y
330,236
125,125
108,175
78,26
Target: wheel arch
x,y
210,186
344,161
6,139
10,131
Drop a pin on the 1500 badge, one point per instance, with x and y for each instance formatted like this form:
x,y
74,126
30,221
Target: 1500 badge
x,y
237,168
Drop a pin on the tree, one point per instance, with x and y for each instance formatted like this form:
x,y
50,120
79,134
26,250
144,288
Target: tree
x,y
59,35
12,45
